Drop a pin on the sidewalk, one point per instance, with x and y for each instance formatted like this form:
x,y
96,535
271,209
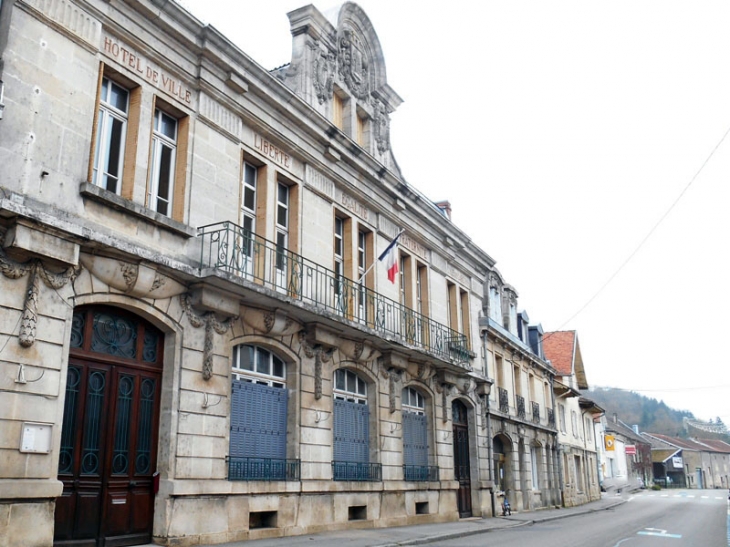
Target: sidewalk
x,y
425,533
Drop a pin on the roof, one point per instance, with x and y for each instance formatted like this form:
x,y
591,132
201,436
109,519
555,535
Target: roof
x,y
714,444
676,442
620,428
563,351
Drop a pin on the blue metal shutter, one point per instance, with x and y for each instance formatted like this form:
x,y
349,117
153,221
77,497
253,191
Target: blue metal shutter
x,y
415,439
352,432
258,421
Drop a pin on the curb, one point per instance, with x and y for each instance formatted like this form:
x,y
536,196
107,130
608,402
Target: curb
x,y
517,524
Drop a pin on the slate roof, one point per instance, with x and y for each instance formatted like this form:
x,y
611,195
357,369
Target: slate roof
x,y
620,428
562,349
715,445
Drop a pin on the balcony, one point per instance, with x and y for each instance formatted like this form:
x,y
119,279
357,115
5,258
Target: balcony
x,y
420,473
232,249
535,412
356,471
503,400
263,469
551,417
520,406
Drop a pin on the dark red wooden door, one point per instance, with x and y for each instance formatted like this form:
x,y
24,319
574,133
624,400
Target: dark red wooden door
x,y
109,434
462,469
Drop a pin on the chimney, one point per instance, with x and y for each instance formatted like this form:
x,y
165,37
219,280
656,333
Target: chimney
x,y
635,428
445,207
615,418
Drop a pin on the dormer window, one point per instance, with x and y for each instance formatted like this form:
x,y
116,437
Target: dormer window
x,y
495,304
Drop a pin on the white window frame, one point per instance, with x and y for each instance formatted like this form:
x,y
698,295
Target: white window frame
x,y
351,379
256,374
157,198
108,114
282,234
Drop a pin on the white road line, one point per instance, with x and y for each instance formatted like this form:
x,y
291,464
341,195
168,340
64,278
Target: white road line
x,y
665,495
705,497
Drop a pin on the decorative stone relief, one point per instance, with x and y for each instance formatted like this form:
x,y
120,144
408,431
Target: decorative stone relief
x,y
34,267
358,351
138,280
320,354
381,127
271,322
394,376
324,67
354,66
211,324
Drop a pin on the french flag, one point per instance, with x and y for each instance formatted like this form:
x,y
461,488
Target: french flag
x,y
390,256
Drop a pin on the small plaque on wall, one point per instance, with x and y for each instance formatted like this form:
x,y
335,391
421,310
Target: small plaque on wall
x,y
36,437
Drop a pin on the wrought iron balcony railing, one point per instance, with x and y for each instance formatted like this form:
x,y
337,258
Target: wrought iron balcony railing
x,y
551,417
356,471
503,400
263,469
421,472
535,412
228,247
520,406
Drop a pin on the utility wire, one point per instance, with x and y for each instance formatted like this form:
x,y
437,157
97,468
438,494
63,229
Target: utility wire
x,y
651,232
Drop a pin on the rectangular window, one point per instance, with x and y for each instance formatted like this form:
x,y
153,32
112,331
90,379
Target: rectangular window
x,y
247,218
338,108
579,474
111,129
453,316
339,264
465,323
561,417
282,233
162,163
362,264
535,461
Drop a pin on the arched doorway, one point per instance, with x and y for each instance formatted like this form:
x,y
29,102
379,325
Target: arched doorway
x,y
109,435
462,470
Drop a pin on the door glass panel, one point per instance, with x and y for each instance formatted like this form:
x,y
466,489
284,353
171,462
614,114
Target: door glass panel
x,y
73,383
114,335
143,458
92,423
149,350
120,459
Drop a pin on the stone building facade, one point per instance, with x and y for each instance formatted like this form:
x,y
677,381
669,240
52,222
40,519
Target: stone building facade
x,y
521,424
575,417
197,341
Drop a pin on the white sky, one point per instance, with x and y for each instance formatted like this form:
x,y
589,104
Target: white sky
x,y
562,132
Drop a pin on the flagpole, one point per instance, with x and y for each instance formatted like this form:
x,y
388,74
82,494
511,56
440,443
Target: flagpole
x,y
376,261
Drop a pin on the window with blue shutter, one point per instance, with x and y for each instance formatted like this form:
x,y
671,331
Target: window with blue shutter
x,y
259,405
415,439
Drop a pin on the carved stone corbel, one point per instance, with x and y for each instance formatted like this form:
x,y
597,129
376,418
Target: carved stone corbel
x,y
211,324
320,354
271,322
358,351
394,375
15,270
140,280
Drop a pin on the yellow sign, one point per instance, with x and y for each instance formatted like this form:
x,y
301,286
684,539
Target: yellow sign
x,y
609,441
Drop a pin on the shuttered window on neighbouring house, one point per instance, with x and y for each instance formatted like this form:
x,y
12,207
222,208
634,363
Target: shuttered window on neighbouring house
x,y
415,439
258,421
351,432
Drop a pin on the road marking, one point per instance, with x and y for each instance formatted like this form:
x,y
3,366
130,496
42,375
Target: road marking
x,y
658,533
692,496
665,495
705,497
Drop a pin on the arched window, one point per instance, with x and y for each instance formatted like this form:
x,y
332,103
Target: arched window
x,y
352,429
259,403
415,437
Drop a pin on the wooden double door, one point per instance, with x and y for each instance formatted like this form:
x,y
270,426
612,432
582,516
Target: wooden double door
x,y
109,435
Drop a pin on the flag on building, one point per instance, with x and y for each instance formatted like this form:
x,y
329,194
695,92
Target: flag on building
x,y
390,256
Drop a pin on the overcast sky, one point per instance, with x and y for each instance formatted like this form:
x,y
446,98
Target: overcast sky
x,y
563,132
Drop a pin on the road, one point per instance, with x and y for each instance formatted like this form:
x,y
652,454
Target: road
x,y
667,518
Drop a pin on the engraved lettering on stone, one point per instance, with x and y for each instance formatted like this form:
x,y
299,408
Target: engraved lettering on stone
x,y
355,206
144,68
272,152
